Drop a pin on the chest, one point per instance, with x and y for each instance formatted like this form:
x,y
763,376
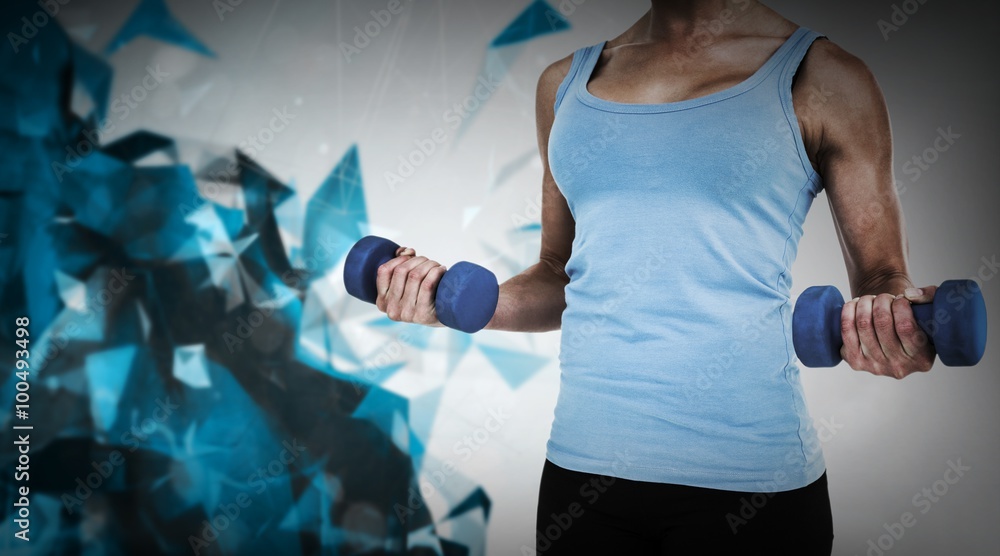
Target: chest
x,y
655,74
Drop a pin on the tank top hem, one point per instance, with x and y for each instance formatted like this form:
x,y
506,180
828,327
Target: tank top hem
x,y
618,466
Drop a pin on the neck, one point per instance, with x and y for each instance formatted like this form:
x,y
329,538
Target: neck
x,y
669,20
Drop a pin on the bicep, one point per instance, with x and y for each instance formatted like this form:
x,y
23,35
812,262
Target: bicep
x,y
855,163
558,225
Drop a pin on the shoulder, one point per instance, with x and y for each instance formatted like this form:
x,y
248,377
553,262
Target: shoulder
x,y
829,62
548,86
553,75
838,83
838,101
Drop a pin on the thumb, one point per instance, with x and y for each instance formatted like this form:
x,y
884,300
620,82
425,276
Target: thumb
x,y
920,295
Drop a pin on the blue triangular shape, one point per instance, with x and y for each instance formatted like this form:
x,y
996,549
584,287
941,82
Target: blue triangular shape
x,y
95,76
381,408
140,143
106,373
537,19
477,499
514,366
336,216
154,19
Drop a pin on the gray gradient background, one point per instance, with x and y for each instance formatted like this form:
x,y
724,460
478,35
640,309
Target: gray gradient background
x,y
896,437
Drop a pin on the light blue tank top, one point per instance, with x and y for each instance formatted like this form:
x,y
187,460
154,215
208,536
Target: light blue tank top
x,y
676,354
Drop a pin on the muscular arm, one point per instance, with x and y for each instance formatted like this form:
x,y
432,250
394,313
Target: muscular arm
x,y
849,141
533,301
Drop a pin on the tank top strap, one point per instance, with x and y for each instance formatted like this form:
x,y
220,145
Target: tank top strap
x,y
793,57
791,60
581,58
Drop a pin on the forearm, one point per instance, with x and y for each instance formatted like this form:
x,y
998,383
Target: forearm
x,y
532,301
894,282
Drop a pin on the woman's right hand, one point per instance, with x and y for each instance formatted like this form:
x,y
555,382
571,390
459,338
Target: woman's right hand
x,y
406,287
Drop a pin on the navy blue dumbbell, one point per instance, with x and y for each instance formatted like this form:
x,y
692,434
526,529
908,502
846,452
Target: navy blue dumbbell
x,y
955,322
466,296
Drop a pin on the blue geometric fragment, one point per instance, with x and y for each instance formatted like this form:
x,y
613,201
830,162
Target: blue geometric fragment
x,y
478,499
514,366
317,329
232,219
106,373
95,76
40,286
378,375
139,144
423,412
148,232
164,357
289,218
416,335
33,68
452,548
336,216
381,406
79,249
191,366
153,18
261,193
388,412
537,19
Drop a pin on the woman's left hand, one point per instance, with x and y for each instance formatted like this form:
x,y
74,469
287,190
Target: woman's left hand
x,y
881,335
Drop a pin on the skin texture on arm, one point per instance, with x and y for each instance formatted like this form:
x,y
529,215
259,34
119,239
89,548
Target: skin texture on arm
x,y
849,142
532,301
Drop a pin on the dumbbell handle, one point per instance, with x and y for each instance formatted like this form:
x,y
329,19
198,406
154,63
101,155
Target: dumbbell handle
x,y
955,323
923,313
466,295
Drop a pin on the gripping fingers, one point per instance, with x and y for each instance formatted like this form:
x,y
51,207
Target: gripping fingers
x,y
881,336
397,284
426,314
384,277
915,342
414,279
885,330
864,321
851,351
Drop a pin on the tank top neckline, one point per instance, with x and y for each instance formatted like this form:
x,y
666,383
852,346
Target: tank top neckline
x,y
593,54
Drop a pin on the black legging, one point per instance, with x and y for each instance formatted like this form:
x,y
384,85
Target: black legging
x,y
581,513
